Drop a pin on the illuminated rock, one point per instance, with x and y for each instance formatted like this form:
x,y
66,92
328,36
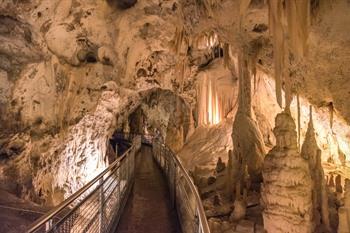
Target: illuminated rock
x,y
286,193
312,154
248,144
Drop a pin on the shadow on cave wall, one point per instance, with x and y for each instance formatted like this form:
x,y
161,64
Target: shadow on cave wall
x,y
122,4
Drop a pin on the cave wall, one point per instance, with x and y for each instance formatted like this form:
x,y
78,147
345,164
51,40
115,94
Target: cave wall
x,y
69,70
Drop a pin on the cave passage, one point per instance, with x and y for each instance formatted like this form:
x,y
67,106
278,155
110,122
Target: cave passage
x,y
148,208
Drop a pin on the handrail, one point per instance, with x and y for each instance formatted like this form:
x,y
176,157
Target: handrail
x,y
73,197
106,196
201,212
172,166
95,184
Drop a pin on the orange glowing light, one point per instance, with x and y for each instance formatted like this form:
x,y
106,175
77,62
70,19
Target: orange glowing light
x,y
209,103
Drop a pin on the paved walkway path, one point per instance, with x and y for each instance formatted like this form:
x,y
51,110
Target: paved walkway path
x,y
148,209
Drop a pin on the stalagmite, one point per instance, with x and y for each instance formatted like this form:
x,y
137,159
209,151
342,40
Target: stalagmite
x,y
240,204
338,186
324,194
331,183
286,193
311,153
234,165
344,211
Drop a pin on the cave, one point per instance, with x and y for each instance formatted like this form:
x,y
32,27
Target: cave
x,y
211,116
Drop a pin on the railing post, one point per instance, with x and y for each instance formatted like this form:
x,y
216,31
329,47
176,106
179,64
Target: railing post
x,y
101,205
120,172
196,221
48,225
174,185
128,169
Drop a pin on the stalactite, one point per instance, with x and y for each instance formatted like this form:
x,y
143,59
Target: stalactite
x,y
182,70
226,55
298,17
331,112
255,82
299,121
243,7
288,93
178,40
277,30
213,105
208,6
178,70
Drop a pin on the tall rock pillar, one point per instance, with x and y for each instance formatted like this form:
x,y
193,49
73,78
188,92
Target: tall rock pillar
x,y
286,193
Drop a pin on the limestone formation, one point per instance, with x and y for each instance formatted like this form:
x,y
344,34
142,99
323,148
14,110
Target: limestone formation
x,y
220,166
344,211
240,204
248,145
286,193
338,185
311,153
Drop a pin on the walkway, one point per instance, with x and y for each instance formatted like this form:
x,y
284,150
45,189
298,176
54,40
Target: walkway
x,y
148,208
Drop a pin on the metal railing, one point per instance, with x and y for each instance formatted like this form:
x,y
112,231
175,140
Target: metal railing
x,y
183,193
98,205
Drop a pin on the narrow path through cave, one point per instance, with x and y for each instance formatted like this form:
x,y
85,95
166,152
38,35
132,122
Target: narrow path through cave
x,y
148,208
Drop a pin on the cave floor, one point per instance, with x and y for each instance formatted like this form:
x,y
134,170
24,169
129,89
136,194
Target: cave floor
x,y
148,208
